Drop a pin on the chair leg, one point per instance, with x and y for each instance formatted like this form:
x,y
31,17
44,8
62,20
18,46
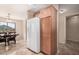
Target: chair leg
x,y
8,43
5,43
14,41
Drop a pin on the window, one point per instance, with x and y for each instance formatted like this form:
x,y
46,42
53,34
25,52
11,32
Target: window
x,y
3,26
11,27
7,26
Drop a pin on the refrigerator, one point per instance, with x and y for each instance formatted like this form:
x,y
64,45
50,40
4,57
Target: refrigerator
x,y
33,34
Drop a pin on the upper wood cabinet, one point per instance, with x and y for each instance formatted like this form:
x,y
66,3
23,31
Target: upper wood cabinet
x,y
49,11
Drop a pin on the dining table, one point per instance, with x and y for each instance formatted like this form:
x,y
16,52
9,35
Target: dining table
x,y
9,37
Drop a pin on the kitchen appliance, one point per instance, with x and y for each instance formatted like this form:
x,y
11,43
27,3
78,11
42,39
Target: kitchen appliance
x,y
33,34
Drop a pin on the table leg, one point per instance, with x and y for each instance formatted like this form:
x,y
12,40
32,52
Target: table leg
x,y
5,43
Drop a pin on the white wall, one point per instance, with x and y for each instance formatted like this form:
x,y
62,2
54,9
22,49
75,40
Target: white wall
x,y
62,25
25,30
57,8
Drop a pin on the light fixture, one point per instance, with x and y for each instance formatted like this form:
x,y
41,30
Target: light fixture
x,y
62,11
8,16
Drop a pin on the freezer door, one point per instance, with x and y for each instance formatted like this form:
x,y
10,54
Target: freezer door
x,y
33,35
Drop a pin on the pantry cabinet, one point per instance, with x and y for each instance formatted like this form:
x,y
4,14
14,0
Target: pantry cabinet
x,y
48,30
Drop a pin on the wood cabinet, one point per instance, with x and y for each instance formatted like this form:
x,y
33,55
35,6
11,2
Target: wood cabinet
x,y
46,34
48,30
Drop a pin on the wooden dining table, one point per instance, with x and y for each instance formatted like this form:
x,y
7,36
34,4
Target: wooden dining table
x,y
8,37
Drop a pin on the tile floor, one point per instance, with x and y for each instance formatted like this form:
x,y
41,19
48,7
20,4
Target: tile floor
x,y
20,48
16,49
71,48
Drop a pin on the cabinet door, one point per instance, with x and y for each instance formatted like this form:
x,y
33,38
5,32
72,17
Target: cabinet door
x,y
46,34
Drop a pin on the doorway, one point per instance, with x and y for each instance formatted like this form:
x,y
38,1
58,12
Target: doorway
x,y
71,47
72,32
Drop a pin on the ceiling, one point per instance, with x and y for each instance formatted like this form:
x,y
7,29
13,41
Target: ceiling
x,y
37,7
19,11
69,7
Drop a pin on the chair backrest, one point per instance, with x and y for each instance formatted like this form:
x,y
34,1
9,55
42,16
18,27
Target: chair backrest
x,y
2,36
11,32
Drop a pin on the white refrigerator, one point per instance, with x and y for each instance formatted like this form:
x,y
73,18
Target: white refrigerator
x,y
33,34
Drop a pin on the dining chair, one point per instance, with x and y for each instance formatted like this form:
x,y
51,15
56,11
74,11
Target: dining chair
x,y
2,39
